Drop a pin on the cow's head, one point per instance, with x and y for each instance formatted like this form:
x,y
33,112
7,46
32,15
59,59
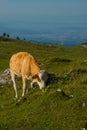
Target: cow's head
x,y
42,78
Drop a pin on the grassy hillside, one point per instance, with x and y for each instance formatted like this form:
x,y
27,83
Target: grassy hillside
x,y
50,110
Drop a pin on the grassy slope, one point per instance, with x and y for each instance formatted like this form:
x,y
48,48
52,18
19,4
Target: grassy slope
x,y
50,110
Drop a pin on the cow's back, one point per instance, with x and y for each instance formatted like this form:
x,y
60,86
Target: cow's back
x,y
23,64
18,62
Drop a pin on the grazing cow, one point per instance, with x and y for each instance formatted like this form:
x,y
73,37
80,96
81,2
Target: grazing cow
x,y
23,64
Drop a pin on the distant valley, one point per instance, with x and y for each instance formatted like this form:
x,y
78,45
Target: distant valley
x,y
67,36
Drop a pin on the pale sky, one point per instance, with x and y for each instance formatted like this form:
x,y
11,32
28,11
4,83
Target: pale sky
x,y
33,14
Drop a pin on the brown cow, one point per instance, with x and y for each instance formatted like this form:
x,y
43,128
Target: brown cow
x,y
23,64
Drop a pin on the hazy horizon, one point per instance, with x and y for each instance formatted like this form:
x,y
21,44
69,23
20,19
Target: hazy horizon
x,y
55,18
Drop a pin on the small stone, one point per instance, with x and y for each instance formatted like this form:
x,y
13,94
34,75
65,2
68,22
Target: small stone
x,y
83,104
83,128
59,90
71,96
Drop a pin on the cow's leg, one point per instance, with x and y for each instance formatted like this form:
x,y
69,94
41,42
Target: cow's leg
x,y
32,84
24,85
27,86
13,76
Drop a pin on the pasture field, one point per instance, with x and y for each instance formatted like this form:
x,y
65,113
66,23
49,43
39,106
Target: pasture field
x,y
49,110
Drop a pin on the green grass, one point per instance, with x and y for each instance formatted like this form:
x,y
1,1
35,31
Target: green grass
x,y
49,110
